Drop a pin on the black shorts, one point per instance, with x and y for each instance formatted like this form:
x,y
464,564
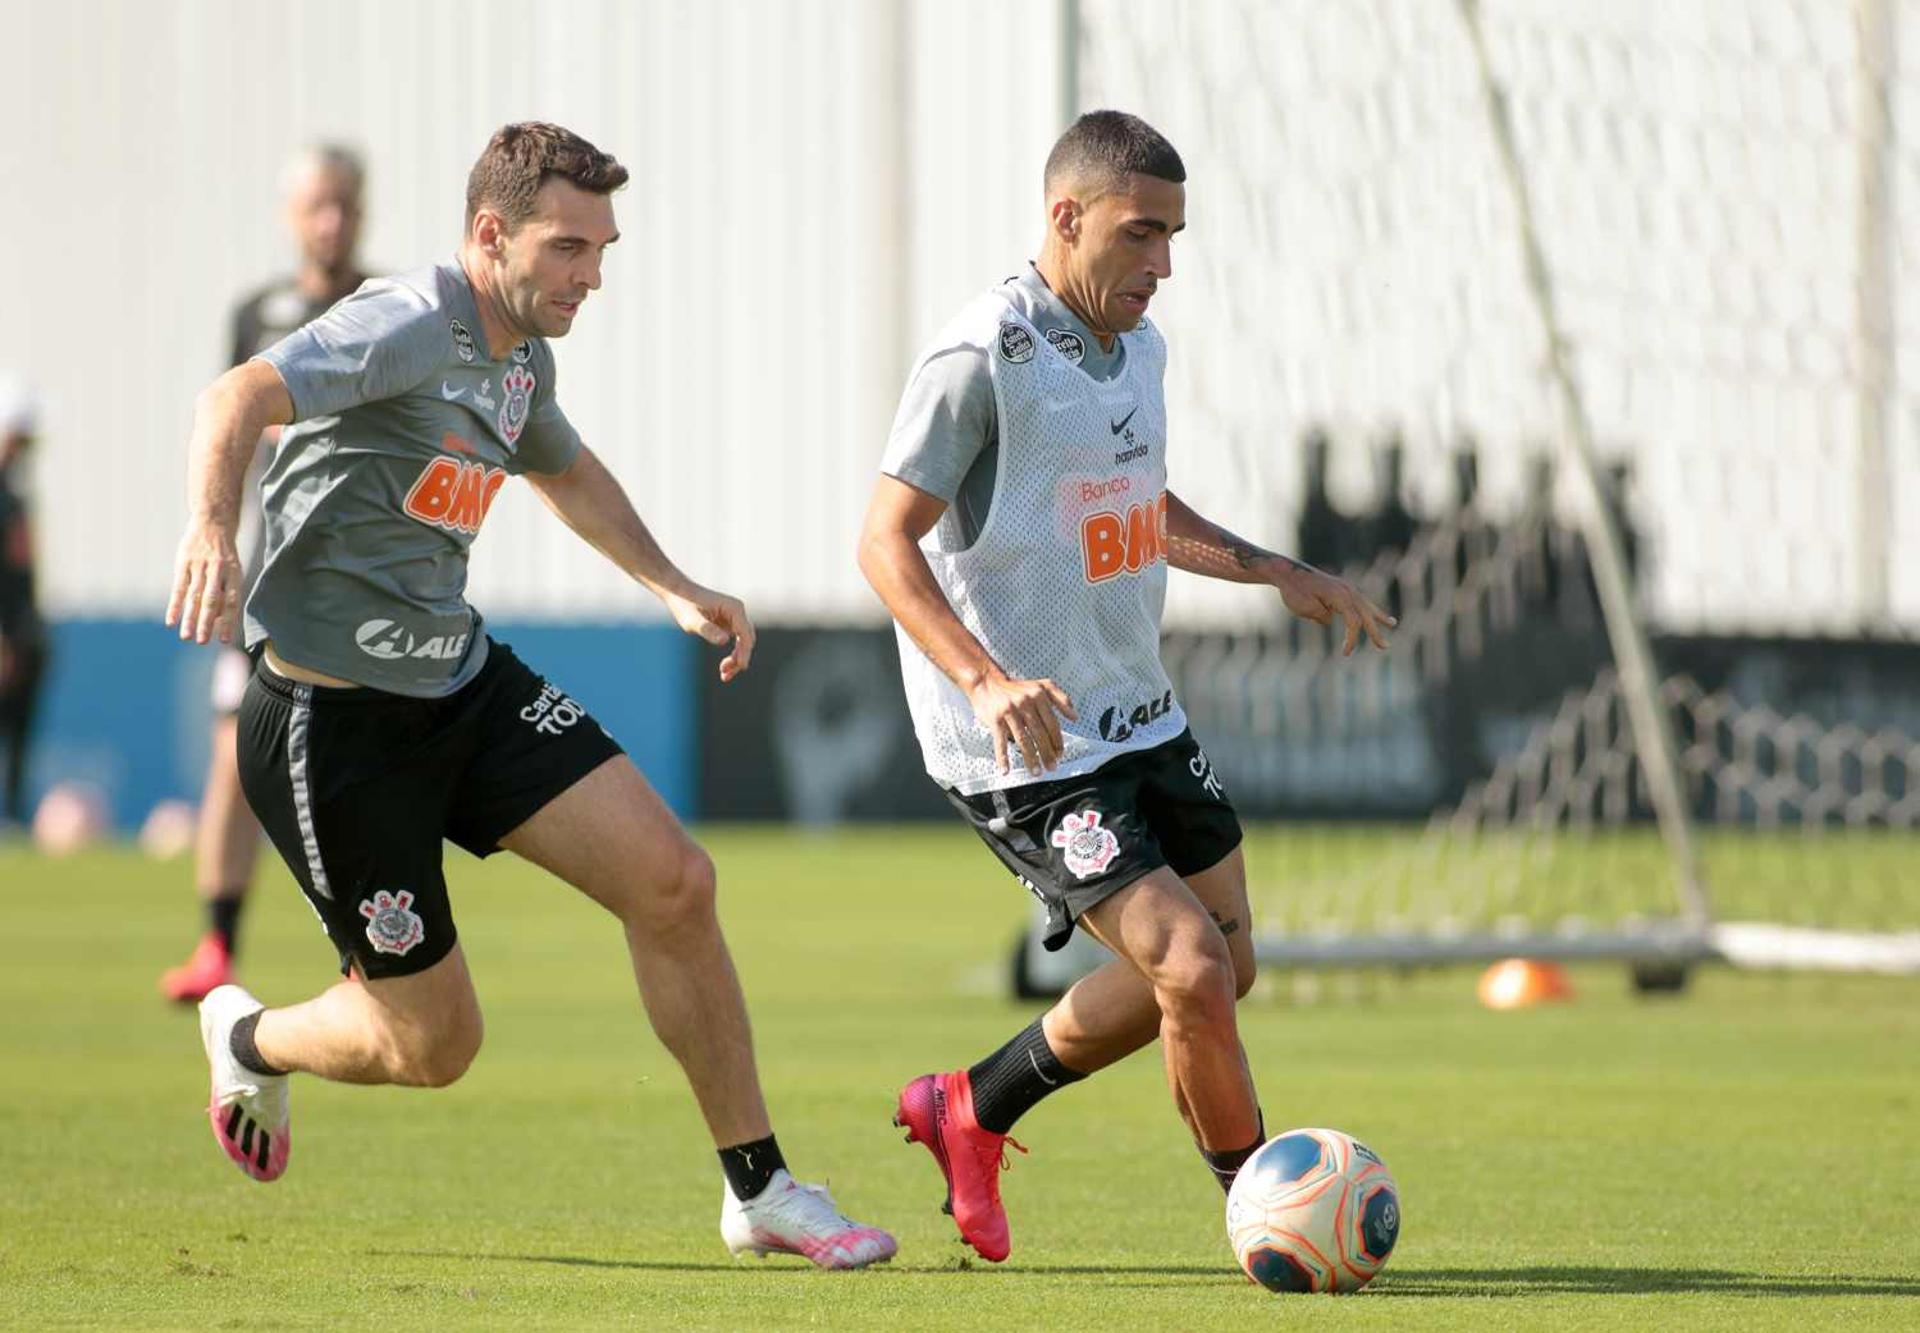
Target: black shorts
x,y
357,788
1081,840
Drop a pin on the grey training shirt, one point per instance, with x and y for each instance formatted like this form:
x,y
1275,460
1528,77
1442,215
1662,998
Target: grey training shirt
x,y
406,426
946,435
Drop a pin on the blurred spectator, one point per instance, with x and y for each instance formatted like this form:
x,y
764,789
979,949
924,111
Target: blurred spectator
x,y
1581,604
1326,537
1540,537
324,194
1616,492
1391,525
23,636
1478,538
1466,473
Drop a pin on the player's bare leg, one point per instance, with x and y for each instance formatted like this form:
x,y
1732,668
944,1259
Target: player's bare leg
x,y
1159,926
1110,1013
613,838
1105,1017
227,836
418,1031
422,1030
226,845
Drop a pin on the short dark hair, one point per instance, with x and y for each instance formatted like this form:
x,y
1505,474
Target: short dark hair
x,y
1103,148
522,157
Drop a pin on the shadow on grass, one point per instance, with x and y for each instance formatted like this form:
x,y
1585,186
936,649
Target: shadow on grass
x,y
1549,1280
1479,1283
954,1267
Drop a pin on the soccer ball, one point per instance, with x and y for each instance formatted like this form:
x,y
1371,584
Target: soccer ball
x,y
1313,1210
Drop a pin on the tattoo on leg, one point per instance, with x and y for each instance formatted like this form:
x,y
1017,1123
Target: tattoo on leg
x,y
1227,924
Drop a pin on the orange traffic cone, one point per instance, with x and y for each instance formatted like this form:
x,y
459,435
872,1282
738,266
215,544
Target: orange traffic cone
x,y
1515,983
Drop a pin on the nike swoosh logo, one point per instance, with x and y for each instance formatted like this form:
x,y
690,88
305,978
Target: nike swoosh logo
x,y
1121,424
448,392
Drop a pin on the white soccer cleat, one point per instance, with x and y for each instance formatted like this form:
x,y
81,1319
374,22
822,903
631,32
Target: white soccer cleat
x,y
248,1110
790,1218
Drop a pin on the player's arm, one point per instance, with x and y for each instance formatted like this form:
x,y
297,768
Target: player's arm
x,y
244,338
590,500
1201,546
227,420
1017,712
371,346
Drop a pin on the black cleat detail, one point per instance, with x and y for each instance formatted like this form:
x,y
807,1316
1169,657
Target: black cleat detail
x,y
233,1121
260,1153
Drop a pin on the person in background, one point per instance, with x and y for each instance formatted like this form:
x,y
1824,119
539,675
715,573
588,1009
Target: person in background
x,y
23,635
325,188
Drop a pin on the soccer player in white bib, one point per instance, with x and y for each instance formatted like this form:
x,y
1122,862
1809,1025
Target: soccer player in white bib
x,y
1020,534
381,719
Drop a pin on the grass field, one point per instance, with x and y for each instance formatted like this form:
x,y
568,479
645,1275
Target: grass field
x,y
1747,1156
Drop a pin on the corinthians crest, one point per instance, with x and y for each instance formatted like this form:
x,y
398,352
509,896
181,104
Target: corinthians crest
x,y
1089,849
392,924
517,385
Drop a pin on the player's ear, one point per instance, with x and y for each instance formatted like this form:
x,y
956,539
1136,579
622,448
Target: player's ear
x,y
489,233
1065,214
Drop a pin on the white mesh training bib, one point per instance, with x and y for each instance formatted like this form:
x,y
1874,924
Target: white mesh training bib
x,y
1068,575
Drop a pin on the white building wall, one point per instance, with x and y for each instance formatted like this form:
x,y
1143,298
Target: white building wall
x,y
818,183
811,179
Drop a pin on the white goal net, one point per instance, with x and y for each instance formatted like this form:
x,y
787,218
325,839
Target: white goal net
x,y
1725,201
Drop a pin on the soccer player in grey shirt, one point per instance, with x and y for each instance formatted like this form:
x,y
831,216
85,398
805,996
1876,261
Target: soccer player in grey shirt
x,y
382,719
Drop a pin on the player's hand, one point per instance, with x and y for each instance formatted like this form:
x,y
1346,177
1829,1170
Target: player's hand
x,y
206,583
1025,713
717,618
1319,597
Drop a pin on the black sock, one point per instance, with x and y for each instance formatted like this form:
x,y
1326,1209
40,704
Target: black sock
x,y
1011,1081
1226,1165
241,1044
750,1166
223,917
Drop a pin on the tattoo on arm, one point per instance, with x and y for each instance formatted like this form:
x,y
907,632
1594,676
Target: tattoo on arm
x,y
1245,553
1201,546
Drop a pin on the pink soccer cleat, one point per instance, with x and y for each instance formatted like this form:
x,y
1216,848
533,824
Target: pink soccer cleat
x,y
788,1217
209,965
937,1110
248,1110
